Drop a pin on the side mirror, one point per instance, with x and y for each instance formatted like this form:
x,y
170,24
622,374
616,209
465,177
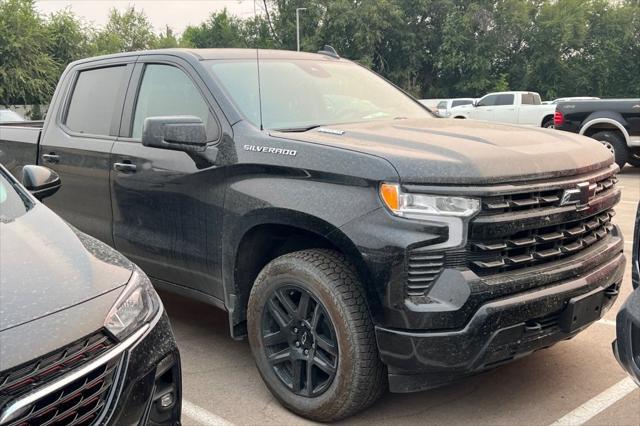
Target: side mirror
x,y
42,182
180,133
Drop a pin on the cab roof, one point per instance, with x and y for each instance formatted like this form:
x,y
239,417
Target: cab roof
x,y
204,54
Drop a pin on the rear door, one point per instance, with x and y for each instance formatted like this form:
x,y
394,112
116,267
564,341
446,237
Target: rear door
x,y
167,207
77,144
504,109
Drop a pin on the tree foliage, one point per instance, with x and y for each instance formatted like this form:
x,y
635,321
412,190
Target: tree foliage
x,y
431,48
26,69
125,32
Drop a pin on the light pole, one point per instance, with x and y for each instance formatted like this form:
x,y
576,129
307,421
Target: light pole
x,y
298,25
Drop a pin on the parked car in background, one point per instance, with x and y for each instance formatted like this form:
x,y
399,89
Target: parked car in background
x,y
430,103
358,241
509,107
443,109
8,116
627,344
613,122
84,338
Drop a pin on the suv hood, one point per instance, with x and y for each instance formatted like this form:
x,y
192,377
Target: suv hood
x,y
447,151
47,266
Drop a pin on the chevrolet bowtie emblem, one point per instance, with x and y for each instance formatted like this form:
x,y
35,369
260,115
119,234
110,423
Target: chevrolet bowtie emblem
x,y
580,195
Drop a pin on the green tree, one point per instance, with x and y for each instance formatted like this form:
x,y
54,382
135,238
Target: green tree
x,y
166,40
26,68
69,40
125,32
220,30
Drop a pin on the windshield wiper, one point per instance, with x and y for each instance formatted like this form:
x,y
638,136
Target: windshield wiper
x,y
299,129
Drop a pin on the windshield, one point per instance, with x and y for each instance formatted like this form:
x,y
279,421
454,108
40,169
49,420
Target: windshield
x,y
297,94
13,203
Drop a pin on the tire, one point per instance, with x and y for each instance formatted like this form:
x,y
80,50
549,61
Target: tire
x,y
633,161
548,124
347,345
616,144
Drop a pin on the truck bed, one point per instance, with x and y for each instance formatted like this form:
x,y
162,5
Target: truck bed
x,y
19,144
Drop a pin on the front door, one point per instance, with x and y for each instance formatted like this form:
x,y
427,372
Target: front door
x,y
167,207
77,145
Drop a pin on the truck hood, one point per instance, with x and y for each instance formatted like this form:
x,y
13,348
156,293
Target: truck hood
x,y
47,266
447,151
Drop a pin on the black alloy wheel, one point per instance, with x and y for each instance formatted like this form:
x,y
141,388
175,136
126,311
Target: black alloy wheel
x,y
299,341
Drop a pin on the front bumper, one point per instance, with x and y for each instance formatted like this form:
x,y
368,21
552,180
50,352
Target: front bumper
x,y
499,331
150,369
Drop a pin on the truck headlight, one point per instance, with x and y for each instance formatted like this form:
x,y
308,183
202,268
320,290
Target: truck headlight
x,y
455,212
422,206
137,305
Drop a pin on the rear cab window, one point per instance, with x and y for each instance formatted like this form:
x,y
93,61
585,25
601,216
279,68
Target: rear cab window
x,y
531,99
95,100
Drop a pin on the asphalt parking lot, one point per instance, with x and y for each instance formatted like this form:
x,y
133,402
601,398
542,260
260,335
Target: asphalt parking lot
x,y
574,382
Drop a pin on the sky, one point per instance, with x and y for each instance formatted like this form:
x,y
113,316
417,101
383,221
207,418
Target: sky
x,y
177,14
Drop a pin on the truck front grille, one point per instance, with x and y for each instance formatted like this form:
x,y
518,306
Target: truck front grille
x,y
536,246
78,402
536,199
524,228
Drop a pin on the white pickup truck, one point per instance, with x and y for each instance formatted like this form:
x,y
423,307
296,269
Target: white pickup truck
x,y
509,107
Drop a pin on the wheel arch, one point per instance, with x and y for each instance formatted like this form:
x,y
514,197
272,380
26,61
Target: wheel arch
x,y
271,233
600,121
546,118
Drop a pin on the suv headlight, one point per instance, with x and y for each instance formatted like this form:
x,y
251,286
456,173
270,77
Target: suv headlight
x,y
137,305
455,212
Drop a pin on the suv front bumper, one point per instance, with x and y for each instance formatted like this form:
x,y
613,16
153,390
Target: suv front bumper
x,y
500,331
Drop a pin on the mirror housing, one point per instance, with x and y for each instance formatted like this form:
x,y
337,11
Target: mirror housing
x,y
180,133
41,181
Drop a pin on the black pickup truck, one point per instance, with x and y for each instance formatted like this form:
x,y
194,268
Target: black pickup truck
x,y
613,122
359,241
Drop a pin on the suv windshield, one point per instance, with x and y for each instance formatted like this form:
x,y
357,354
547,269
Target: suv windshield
x,y
13,203
298,94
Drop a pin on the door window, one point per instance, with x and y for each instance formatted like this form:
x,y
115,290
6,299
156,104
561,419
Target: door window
x,y
461,102
165,91
504,100
95,100
488,100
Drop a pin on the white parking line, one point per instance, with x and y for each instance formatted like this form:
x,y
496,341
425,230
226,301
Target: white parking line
x,y
202,416
607,322
597,404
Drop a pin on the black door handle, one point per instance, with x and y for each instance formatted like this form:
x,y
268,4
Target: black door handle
x,y
51,158
125,167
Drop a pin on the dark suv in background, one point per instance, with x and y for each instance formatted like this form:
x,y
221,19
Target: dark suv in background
x,y
84,338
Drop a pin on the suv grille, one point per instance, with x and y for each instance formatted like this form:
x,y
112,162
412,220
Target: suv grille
x,y
79,402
